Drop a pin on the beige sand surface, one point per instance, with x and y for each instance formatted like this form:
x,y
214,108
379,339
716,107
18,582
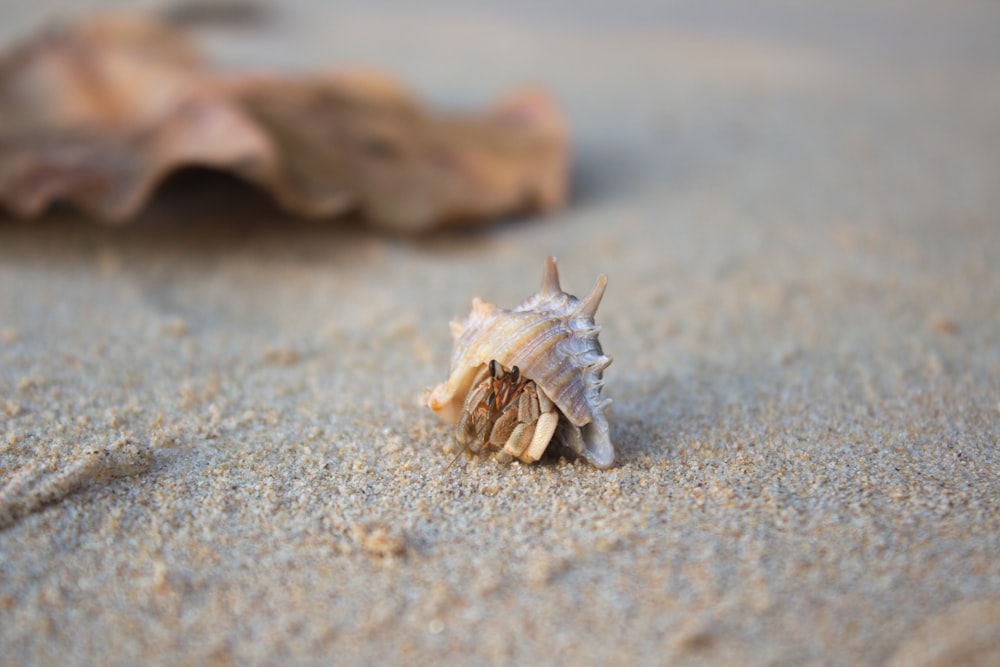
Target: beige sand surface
x,y
212,448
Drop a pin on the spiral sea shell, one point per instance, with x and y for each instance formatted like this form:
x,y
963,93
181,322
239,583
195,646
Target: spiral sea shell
x,y
549,344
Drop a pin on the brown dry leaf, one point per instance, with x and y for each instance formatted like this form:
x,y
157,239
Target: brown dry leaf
x,y
99,112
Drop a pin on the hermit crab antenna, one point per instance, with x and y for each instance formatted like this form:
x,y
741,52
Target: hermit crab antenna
x,y
550,277
459,455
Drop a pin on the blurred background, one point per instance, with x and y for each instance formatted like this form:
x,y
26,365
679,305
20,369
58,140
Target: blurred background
x,y
664,94
796,205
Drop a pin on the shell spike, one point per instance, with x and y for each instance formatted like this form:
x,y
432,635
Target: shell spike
x,y
597,447
550,277
588,306
603,362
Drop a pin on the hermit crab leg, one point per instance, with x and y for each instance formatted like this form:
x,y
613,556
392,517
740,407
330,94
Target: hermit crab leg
x,y
544,428
467,424
471,430
519,439
503,427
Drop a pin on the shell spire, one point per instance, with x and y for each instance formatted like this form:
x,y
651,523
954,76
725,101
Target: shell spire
x,y
552,339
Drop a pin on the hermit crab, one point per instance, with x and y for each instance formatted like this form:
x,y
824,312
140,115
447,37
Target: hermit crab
x,y
521,379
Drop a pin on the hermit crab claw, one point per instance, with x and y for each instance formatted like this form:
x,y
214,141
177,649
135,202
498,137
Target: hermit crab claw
x,y
529,376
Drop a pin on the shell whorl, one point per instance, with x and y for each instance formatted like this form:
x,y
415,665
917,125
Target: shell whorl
x,y
551,336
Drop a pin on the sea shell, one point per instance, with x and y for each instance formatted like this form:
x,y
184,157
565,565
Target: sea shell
x,y
552,338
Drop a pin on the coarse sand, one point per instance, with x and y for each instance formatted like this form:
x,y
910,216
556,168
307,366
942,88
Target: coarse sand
x,y
213,448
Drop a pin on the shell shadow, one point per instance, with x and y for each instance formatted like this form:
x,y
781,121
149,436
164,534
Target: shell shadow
x,y
198,214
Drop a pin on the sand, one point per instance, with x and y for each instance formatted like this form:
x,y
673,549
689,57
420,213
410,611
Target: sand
x,y
212,443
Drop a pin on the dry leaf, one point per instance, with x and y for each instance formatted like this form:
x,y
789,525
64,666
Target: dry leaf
x,y
98,113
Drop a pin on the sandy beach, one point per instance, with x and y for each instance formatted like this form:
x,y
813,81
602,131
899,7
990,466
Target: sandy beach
x,y
213,442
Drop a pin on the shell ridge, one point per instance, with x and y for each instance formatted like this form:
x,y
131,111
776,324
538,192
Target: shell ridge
x,y
527,345
559,304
